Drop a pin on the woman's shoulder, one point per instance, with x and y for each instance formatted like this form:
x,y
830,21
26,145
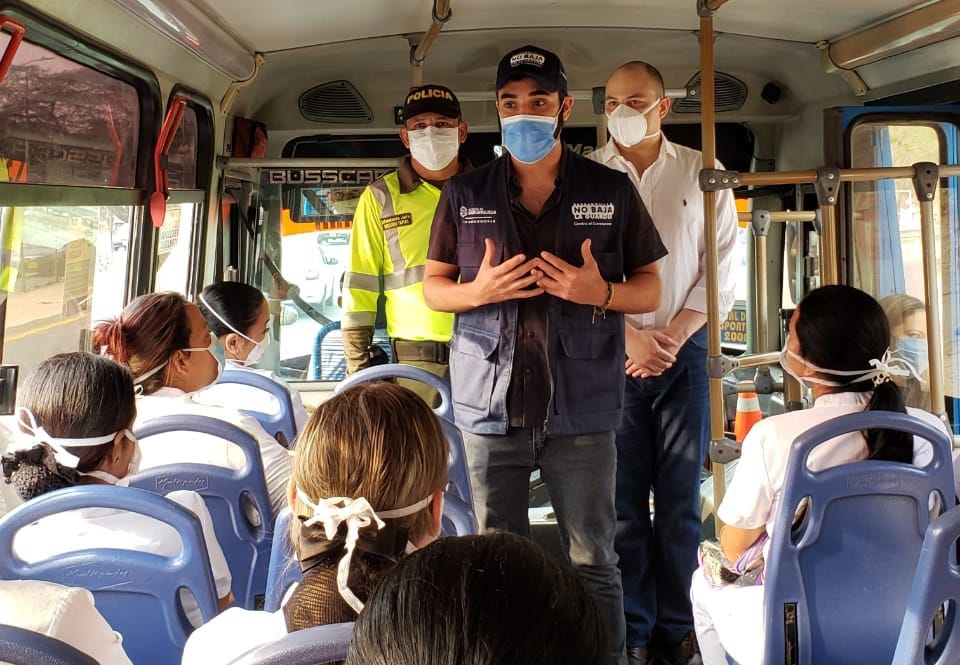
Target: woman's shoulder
x,y
232,634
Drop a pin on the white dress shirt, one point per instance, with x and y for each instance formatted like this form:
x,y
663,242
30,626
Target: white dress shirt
x,y
65,613
174,448
671,192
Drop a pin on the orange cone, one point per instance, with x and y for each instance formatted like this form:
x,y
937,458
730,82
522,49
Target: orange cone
x,y
748,414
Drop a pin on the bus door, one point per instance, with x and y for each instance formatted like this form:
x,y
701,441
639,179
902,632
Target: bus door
x,y
881,242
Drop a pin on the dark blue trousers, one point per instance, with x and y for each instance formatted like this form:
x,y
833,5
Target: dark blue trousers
x,y
661,446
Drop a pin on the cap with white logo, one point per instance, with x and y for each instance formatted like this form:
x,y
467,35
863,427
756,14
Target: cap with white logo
x,y
533,62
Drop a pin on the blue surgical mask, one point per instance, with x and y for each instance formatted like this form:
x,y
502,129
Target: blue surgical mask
x,y
529,138
914,351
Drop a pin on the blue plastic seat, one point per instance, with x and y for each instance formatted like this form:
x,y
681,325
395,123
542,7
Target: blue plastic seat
x,y
284,570
458,476
281,422
136,592
936,583
231,496
458,517
837,581
310,646
19,646
327,363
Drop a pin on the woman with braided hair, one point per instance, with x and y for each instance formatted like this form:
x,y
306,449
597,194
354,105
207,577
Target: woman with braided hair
x,y
75,412
367,487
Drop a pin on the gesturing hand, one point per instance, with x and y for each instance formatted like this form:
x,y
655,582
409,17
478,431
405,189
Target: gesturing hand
x,y
583,285
507,281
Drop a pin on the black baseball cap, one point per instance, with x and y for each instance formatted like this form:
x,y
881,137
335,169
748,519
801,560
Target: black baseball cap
x,y
431,99
539,64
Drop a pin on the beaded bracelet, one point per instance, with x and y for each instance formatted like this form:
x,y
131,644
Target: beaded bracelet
x,y
602,309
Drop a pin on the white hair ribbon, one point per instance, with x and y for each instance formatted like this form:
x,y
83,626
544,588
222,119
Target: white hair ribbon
x,y
889,366
58,444
358,514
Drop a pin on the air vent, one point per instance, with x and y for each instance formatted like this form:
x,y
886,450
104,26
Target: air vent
x,y
729,94
336,101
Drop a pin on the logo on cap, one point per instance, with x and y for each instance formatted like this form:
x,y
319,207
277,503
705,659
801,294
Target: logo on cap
x,y
527,58
429,93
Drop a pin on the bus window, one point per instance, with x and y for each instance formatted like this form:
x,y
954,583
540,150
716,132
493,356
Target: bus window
x,y
174,247
886,237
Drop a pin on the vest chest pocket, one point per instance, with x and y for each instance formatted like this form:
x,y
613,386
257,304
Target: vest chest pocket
x,y
473,365
589,371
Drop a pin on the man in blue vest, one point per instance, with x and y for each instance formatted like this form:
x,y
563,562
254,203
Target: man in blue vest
x,y
539,253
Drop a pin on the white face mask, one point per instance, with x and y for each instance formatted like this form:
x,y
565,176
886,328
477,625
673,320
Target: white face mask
x,y
628,126
259,348
59,444
434,147
882,370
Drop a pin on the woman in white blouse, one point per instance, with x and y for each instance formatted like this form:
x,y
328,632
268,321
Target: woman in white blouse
x,y
165,341
837,347
239,316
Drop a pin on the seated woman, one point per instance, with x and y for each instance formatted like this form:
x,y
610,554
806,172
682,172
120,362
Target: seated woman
x,y
77,410
239,316
166,343
908,340
837,346
64,613
367,487
483,600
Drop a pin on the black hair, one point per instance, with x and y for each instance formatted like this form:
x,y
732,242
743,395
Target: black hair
x,y
236,302
843,328
71,395
480,600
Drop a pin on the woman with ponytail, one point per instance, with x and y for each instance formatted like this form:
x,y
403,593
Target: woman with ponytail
x,y
367,487
239,316
76,412
837,347
164,340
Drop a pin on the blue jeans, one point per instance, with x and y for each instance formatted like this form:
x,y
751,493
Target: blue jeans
x,y
579,471
661,446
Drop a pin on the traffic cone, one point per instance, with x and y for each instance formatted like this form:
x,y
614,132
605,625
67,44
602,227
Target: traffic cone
x,y
748,414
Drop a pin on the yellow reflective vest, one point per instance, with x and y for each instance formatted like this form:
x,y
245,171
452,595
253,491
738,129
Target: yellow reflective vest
x,y
388,252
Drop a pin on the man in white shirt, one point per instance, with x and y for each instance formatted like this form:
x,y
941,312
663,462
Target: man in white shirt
x,y
663,440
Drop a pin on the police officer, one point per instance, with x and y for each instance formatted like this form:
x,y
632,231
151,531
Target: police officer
x,y
538,253
388,246
663,439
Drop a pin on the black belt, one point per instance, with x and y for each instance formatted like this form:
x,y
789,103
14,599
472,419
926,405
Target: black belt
x,y
430,352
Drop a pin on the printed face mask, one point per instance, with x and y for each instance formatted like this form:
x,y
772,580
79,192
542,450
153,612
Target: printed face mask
x,y
628,126
529,138
434,147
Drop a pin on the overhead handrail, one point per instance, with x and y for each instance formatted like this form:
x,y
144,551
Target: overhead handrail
x,y
168,131
439,16
16,30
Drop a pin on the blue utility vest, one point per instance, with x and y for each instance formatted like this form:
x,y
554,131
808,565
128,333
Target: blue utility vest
x,y
585,353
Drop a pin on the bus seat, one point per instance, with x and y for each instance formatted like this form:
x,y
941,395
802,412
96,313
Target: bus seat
x,y
283,570
281,422
458,517
19,646
458,520
236,498
937,581
310,646
136,592
458,477
327,362
837,582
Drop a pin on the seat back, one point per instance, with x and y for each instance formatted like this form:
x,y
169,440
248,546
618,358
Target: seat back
x,y
936,583
458,475
837,582
284,569
136,592
327,363
19,646
231,496
281,422
458,517
310,646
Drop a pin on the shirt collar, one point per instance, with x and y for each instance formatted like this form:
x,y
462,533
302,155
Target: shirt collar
x,y
610,153
410,179
844,399
514,184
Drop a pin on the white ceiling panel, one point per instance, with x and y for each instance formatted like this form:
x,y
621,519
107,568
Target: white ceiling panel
x,y
286,24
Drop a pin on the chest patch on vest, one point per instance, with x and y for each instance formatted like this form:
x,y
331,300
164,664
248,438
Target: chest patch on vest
x,y
593,214
477,215
396,221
